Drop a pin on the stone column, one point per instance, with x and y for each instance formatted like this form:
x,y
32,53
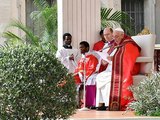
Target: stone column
x,y
18,12
157,19
149,14
81,18
9,10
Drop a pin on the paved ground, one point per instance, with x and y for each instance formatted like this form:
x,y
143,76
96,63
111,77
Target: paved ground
x,y
109,115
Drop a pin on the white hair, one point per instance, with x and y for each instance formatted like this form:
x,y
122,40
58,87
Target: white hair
x,y
119,29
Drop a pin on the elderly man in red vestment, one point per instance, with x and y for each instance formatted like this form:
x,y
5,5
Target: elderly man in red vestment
x,y
89,63
118,78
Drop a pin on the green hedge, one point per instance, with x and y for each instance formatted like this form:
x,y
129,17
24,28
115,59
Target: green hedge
x,y
30,85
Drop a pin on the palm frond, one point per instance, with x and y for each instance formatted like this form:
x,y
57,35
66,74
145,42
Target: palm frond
x,y
105,13
12,39
45,27
10,35
112,24
4,46
46,22
36,15
116,19
41,4
30,37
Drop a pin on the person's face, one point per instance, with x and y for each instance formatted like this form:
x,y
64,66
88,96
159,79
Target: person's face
x,y
67,40
108,35
118,36
83,49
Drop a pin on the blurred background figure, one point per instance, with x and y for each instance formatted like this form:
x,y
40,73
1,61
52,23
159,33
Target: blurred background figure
x,y
100,44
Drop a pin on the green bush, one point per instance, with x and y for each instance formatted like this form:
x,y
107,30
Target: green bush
x,y
34,85
147,95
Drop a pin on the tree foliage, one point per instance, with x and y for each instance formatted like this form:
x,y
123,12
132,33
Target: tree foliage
x,y
114,19
45,19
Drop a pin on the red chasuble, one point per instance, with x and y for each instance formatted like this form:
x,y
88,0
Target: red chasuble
x,y
123,67
91,63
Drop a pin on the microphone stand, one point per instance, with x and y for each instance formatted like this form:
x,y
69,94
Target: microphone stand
x,y
84,108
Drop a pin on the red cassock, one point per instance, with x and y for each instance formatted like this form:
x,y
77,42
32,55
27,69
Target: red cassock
x,y
91,63
123,67
98,45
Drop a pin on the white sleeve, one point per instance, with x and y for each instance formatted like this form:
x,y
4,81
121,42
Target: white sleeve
x,y
77,56
62,57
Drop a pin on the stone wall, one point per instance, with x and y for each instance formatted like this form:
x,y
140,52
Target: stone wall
x,y
9,10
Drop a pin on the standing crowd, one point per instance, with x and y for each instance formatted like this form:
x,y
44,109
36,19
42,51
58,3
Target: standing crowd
x,y
107,69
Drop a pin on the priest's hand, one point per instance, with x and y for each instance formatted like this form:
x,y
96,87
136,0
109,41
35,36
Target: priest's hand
x,y
104,62
71,57
110,58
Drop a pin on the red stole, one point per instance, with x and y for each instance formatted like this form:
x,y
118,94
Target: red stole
x,y
122,68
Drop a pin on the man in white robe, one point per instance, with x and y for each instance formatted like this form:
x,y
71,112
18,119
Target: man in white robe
x,y
109,40
101,83
68,55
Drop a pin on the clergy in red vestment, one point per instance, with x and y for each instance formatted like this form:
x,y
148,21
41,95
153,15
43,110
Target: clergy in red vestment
x,y
89,64
100,44
119,78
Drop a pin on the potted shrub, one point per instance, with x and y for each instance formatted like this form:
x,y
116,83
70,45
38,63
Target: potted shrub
x,y
147,96
34,85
